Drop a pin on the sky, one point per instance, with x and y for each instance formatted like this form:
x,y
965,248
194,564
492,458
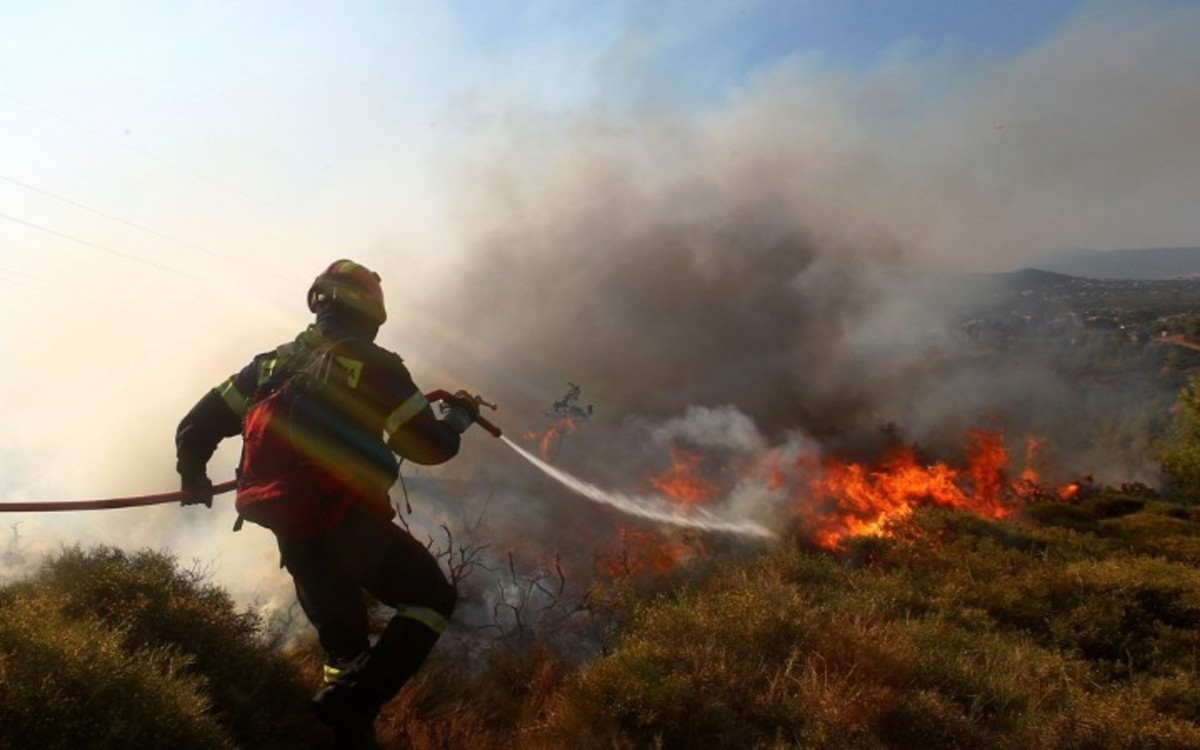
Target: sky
x,y
173,175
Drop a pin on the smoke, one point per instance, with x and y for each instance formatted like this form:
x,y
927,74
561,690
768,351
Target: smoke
x,y
783,251
712,428
757,269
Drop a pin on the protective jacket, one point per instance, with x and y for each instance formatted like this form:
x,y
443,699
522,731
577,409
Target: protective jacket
x,y
321,418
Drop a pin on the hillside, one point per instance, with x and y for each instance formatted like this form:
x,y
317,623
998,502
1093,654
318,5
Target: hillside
x,y
954,632
1075,627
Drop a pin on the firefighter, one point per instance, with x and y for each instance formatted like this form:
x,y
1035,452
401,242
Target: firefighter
x,y
322,419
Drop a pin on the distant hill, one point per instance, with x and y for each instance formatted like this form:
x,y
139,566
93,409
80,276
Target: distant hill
x,y
1150,263
984,284
1035,277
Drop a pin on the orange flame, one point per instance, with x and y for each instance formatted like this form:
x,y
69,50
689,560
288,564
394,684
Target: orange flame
x,y
1033,452
643,552
681,482
649,552
848,499
835,500
562,427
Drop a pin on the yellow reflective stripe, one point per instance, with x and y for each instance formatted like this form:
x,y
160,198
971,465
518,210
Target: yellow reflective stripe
x,y
353,369
405,411
266,369
430,618
232,397
331,673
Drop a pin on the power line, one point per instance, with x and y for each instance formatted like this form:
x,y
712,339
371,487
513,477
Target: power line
x,y
148,155
22,279
29,281
98,246
140,152
142,227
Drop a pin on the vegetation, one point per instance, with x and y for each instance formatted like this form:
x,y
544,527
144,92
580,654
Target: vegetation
x,y
1077,631
102,648
1076,626
1179,453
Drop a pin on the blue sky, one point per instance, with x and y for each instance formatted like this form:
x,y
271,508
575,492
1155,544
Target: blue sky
x,y
700,50
288,103
173,174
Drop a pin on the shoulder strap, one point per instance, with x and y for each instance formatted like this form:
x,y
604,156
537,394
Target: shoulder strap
x,y
289,359
274,369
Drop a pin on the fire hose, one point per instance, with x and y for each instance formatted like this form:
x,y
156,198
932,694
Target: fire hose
x,y
644,507
171,497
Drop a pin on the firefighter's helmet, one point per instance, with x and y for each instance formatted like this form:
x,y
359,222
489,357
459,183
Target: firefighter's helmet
x,y
351,286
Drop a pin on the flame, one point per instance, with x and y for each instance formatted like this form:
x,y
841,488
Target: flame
x,y
643,552
547,440
848,499
1033,451
651,552
681,482
833,499
836,499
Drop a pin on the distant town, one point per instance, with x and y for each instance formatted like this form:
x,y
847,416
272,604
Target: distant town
x,y
1026,306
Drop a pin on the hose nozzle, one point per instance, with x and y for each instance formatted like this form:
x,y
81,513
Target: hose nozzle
x,y
493,430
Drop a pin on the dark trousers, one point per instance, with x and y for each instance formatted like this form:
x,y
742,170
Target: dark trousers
x,y
363,552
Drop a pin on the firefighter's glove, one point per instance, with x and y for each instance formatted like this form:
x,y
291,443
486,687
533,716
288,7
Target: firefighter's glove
x,y
460,411
197,489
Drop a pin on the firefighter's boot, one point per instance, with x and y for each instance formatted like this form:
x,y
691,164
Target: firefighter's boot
x,y
340,706
352,700
394,659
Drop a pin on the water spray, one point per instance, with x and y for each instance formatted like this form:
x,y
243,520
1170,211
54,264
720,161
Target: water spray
x,y
650,508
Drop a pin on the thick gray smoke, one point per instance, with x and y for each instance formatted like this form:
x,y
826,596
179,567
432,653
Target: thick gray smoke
x,y
777,252
730,310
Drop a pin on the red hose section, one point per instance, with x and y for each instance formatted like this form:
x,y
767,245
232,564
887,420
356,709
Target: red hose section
x,y
43,506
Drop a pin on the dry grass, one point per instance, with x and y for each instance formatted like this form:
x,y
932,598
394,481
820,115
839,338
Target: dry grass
x,y
1076,628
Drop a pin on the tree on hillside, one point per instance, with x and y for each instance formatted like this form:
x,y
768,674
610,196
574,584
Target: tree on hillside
x,y
1179,453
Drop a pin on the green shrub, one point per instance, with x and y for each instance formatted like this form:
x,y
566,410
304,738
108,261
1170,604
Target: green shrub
x,y
1111,505
1071,629
72,683
954,632
150,605
1161,529
1179,453
1061,514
